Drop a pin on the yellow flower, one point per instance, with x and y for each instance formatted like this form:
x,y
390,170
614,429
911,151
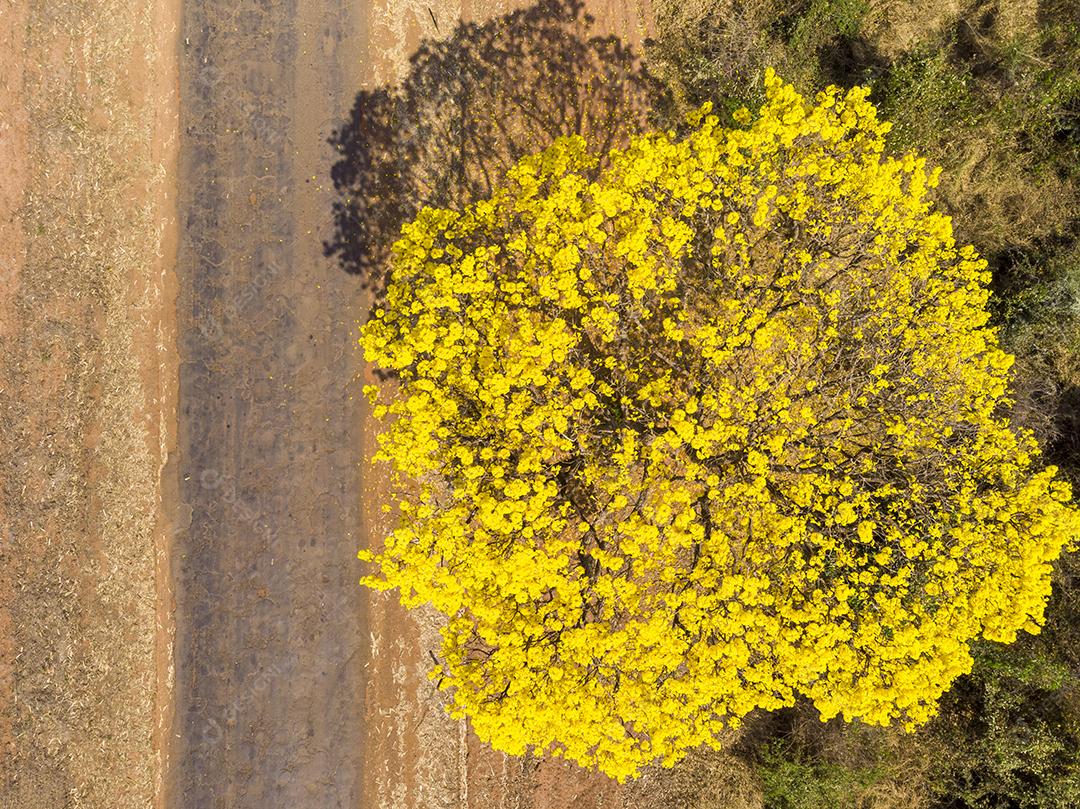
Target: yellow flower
x,y
643,464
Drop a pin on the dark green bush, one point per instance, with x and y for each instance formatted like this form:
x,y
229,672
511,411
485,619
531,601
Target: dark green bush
x,y
925,96
1011,740
1036,302
791,780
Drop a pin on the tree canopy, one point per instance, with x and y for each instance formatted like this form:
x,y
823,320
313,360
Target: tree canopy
x,y
701,428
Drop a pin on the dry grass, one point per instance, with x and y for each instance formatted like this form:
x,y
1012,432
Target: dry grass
x,y
79,444
895,27
722,44
1000,203
703,780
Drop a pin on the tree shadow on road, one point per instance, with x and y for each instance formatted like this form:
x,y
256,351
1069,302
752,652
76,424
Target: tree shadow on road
x,y
469,107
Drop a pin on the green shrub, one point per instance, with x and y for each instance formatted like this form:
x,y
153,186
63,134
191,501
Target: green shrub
x,y
1011,728
1036,302
925,96
1011,744
792,783
816,27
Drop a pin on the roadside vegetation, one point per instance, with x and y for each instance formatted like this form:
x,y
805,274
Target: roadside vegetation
x,y
990,91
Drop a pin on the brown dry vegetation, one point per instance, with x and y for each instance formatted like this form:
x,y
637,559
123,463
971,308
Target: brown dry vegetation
x,y
704,780
84,401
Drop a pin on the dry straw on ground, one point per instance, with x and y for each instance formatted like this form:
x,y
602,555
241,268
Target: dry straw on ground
x,y
79,429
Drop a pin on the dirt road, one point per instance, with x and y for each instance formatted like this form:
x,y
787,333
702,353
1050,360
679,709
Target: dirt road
x,y
270,620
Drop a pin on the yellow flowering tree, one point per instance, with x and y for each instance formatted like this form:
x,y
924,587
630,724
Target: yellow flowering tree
x,y
713,426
